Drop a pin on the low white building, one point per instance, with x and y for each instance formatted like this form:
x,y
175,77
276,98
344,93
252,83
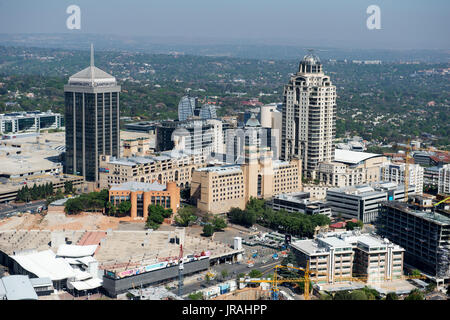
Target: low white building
x,y
395,172
444,179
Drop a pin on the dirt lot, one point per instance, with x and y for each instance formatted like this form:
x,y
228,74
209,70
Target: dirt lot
x,y
59,221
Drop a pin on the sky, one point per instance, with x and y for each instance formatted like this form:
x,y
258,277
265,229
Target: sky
x,y
405,24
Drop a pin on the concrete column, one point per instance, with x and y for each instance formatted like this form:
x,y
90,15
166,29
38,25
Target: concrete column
x,y
133,205
146,203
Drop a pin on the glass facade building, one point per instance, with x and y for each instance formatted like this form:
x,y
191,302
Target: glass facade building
x,y
92,120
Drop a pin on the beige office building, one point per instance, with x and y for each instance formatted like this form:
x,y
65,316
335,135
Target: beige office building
x,y
168,166
218,189
351,168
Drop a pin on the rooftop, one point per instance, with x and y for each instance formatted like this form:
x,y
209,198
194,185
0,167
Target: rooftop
x,y
18,287
433,217
222,169
139,186
353,157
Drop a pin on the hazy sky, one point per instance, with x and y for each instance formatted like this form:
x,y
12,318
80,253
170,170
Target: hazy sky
x,y
405,24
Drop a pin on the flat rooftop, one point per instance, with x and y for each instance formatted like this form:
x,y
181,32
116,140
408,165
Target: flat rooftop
x,y
139,186
433,217
227,169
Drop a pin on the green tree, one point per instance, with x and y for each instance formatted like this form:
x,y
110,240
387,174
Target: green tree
x,y
415,295
219,224
391,296
208,230
341,295
185,215
416,273
196,296
124,207
207,278
358,295
255,273
156,215
326,296
224,273
68,187
430,287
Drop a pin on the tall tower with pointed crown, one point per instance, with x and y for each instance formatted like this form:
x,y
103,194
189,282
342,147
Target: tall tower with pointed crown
x,y
309,116
92,120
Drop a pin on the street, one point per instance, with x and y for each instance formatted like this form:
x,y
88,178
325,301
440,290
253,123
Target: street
x,y
9,209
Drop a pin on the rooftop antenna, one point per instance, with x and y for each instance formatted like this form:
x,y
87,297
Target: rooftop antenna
x,y
92,63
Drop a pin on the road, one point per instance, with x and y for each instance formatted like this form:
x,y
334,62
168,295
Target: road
x,y
233,271
9,209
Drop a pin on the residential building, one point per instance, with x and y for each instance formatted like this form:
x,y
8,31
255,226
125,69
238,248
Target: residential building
x,y
337,256
300,202
141,195
424,233
350,168
168,166
272,118
218,189
208,111
92,120
363,201
431,176
186,107
31,121
139,147
203,136
309,115
395,172
252,135
444,179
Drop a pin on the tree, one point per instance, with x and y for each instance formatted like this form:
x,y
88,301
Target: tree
x,y
219,224
350,225
156,215
208,278
255,273
185,215
415,295
124,207
358,295
326,296
430,287
224,273
68,187
196,296
208,230
391,296
341,295
416,273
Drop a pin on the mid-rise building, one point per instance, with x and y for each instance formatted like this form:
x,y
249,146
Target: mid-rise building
x,y
92,120
363,201
425,235
309,115
204,136
218,189
395,172
336,257
300,202
208,111
350,168
431,176
32,121
141,195
444,179
168,166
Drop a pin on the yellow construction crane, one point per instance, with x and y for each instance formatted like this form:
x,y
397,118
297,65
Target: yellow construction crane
x,y
307,279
